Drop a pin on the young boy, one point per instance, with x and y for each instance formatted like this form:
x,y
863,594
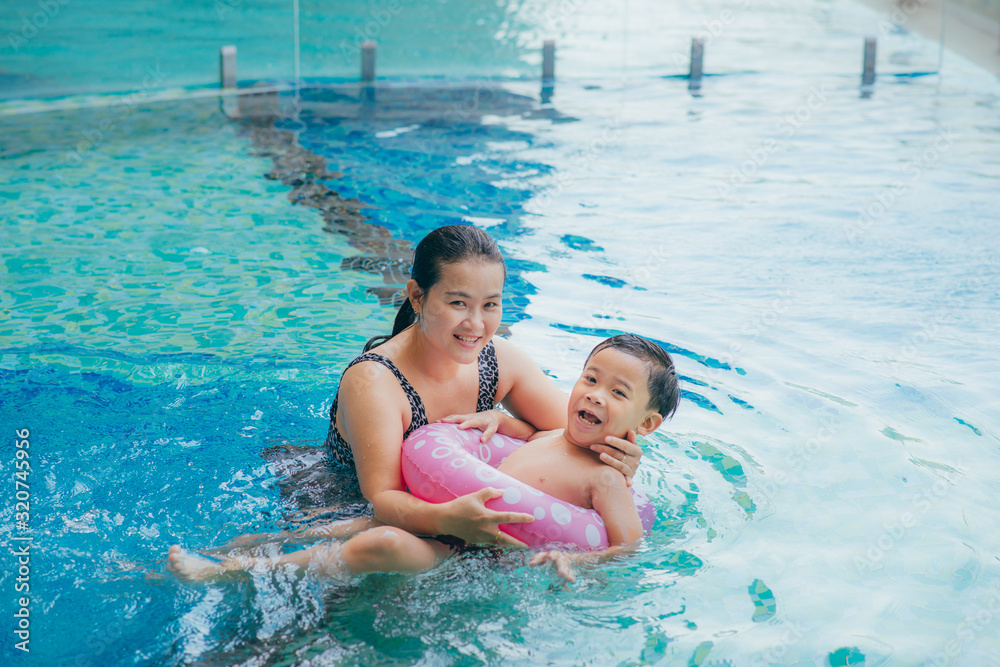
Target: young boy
x,y
627,384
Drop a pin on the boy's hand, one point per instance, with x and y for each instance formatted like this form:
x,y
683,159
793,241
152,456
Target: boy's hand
x,y
562,561
488,422
621,454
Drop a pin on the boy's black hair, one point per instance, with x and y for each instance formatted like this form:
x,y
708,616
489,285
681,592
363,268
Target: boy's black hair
x,y
664,390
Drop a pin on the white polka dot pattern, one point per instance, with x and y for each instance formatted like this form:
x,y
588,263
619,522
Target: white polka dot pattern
x,y
560,514
487,474
458,464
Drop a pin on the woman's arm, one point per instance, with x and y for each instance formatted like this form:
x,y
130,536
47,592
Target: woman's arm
x,y
526,391
370,414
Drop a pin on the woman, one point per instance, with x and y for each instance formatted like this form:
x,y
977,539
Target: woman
x,y
442,360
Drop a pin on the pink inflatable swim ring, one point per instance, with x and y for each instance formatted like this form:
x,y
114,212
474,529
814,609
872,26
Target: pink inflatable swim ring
x,y
442,462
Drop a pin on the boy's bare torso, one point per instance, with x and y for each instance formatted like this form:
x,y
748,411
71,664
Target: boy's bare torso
x,y
551,464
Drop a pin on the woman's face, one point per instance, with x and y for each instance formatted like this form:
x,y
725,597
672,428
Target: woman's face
x,y
460,314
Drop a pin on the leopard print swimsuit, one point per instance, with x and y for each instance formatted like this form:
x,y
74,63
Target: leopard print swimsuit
x,y
489,379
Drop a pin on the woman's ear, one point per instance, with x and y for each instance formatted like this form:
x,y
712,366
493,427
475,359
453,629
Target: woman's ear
x,y
650,423
414,294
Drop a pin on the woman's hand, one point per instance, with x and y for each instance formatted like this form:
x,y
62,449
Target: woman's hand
x,y
488,422
562,561
493,421
472,521
622,455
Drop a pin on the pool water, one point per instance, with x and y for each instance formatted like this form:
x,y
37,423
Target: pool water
x,y
181,296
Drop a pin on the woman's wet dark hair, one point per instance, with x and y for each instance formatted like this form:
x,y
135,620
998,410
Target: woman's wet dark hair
x,y
443,246
664,390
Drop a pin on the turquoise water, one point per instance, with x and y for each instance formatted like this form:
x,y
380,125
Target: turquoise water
x,y
66,49
823,267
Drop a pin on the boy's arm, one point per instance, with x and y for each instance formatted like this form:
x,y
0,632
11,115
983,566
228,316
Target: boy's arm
x,y
613,501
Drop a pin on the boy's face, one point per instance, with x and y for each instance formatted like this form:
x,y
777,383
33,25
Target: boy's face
x,y
610,398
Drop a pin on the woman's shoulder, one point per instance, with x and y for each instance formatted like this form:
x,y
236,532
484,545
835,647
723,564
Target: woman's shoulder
x,y
369,391
379,359
506,350
368,373
512,360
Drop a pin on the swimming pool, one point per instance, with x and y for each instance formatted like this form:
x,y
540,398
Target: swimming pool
x,y
824,268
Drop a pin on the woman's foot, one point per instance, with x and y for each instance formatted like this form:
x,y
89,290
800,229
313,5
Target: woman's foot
x,y
191,567
324,559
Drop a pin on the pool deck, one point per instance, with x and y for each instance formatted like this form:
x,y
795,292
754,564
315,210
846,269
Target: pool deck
x,y
972,27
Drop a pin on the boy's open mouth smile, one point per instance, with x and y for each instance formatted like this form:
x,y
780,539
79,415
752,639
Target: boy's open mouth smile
x,y
588,417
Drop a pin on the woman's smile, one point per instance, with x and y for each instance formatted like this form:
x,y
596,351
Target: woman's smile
x,y
471,341
460,314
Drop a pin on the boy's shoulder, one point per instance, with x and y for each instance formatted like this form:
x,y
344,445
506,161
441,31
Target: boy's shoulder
x,y
542,437
603,477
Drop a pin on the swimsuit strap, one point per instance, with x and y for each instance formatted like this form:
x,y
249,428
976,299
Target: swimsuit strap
x,y
418,416
489,380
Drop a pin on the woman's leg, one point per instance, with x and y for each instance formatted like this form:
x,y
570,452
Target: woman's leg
x,y
338,530
324,559
382,549
387,549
